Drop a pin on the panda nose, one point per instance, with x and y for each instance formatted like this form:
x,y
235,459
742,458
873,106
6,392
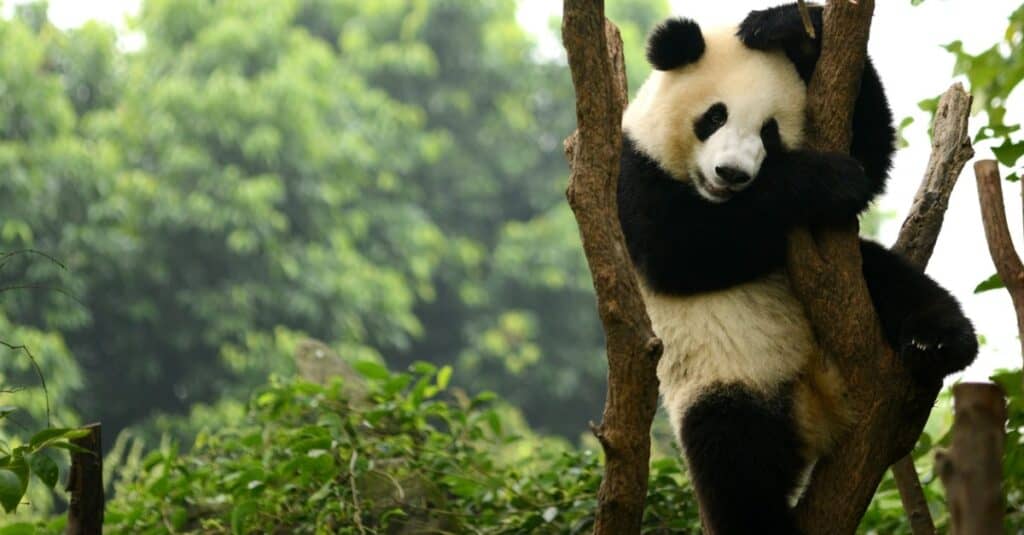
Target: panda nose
x,y
732,175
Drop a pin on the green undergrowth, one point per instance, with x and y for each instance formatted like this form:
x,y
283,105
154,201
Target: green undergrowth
x,y
394,453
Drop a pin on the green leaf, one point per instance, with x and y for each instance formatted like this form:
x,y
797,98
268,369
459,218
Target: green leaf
x,y
1008,153
371,370
47,436
991,283
12,488
902,141
422,368
240,516
443,376
6,410
44,468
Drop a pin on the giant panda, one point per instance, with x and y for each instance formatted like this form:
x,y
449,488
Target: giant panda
x,y
713,175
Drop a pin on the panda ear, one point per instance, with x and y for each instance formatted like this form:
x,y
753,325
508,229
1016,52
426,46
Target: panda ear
x,y
674,43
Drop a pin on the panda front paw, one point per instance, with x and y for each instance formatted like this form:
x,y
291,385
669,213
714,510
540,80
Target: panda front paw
x,y
853,189
936,342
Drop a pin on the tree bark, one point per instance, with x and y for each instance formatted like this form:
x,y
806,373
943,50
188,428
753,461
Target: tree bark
x,y
825,269
594,50
951,149
972,469
85,484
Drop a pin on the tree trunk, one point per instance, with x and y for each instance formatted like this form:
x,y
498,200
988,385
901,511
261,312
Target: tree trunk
x,y
825,269
598,73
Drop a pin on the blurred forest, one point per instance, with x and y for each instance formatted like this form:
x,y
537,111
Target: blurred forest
x,y
182,206
383,176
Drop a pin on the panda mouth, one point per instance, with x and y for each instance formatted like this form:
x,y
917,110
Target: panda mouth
x,y
710,191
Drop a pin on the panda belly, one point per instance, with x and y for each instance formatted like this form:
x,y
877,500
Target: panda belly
x,y
754,335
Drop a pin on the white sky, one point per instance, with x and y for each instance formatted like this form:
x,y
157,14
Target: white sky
x,y
905,48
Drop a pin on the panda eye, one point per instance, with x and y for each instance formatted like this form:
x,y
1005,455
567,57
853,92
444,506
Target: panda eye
x,y
717,114
710,121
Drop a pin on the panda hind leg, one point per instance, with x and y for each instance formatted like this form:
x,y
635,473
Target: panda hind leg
x,y
920,319
743,453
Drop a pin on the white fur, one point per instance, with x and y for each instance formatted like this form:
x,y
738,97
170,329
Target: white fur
x,y
730,146
754,85
754,333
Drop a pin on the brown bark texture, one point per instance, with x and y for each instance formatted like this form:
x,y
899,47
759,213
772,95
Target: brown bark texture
x,y
85,484
997,233
594,50
825,269
971,469
951,149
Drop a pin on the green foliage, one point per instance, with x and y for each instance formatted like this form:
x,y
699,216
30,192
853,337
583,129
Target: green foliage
x,y
408,457
886,513
353,171
19,462
993,75
1013,458
992,283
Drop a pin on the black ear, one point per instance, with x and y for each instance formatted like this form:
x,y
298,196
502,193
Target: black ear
x,y
674,43
782,28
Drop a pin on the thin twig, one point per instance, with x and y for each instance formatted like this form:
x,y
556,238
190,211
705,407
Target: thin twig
x,y
39,372
358,514
18,252
805,16
33,286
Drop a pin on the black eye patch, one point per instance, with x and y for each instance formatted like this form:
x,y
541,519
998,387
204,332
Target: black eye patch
x,y
770,135
711,121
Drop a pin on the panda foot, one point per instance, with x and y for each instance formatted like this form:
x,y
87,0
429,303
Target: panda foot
x,y
935,343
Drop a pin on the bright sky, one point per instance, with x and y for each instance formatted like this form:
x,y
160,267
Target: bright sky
x,y
905,45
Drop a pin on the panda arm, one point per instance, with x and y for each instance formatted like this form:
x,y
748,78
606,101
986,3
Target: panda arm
x,y
920,319
804,187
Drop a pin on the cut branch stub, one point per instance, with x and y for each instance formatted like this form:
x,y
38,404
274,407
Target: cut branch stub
x,y
971,469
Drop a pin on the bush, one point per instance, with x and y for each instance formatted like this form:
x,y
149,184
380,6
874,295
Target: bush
x,y
399,454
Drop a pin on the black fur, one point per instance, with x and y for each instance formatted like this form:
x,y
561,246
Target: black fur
x,y
919,318
874,138
683,244
674,43
744,459
711,121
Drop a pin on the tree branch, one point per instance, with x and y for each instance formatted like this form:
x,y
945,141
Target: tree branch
x,y
951,149
594,50
825,269
997,234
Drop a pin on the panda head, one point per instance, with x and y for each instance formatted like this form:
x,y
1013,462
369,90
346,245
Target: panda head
x,y
714,108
